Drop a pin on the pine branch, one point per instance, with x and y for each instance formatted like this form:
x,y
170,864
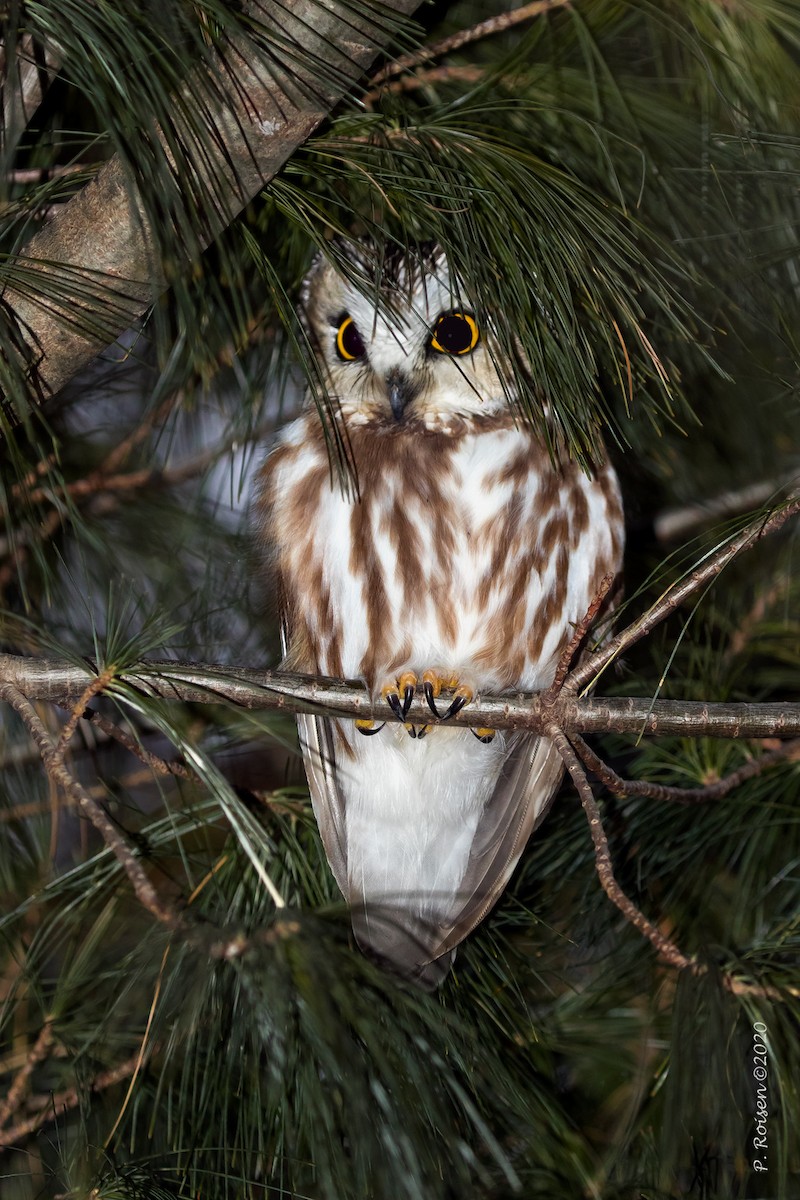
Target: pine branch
x,y
667,949
51,1107
53,760
62,681
605,869
216,943
497,24
102,234
675,595
788,752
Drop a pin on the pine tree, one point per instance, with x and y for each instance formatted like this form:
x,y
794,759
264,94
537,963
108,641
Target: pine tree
x,y
182,1010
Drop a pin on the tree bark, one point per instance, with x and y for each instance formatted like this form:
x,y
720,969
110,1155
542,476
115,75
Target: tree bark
x,y
101,239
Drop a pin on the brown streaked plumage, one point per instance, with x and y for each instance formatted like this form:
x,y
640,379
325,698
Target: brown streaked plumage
x,y
466,556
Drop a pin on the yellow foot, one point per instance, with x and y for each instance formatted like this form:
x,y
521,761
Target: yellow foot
x,y
432,684
483,735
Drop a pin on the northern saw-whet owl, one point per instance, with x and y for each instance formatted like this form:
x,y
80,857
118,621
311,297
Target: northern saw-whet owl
x,y
462,561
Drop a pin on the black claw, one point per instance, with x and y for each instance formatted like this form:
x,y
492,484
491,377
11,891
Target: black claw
x,y
370,732
408,696
393,700
422,732
411,731
455,707
486,738
428,689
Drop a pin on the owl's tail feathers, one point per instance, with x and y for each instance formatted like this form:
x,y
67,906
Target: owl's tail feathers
x,y
401,943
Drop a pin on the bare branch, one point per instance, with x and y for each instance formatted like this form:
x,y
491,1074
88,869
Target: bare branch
x,y
92,689
428,78
61,681
53,1106
605,870
157,765
666,948
675,523
720,788
117,842
581,630
38,1051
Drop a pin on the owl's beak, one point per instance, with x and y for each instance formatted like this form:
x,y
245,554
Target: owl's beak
x,y
400,390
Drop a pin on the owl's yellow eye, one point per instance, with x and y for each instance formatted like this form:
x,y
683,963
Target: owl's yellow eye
x,y
348,340
455,333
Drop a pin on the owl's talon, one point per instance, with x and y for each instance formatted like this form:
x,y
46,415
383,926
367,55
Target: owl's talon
x,y
423,731
483,735
432,684
369,728
411,730
456,706
407,684
427,687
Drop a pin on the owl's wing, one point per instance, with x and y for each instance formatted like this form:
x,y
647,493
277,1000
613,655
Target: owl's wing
x,y
318,744
528,782
416,946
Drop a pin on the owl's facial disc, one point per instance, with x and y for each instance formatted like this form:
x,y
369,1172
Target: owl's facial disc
x,y
413,352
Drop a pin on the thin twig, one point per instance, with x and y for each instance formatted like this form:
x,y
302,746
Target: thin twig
x,y
51,1107
676,523
16,1092
217,943
19,551
581,629
498,24
677,795
430,77
764,601
605,869
115,840
99,791
92,689
676,594
158,765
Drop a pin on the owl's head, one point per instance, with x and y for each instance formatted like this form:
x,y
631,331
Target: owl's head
x,y
399,341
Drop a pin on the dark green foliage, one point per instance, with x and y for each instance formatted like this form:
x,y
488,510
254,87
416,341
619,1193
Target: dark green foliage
x,y
617,185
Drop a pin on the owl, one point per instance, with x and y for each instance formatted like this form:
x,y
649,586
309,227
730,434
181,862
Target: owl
x,y
457,565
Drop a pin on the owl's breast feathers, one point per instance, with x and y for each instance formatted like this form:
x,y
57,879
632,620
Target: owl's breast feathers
x,y
466,550
465,547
